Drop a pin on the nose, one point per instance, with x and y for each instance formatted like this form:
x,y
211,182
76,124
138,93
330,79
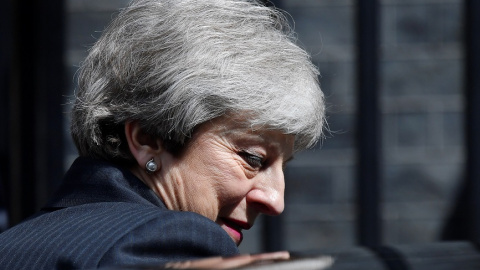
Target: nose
x,y
267,195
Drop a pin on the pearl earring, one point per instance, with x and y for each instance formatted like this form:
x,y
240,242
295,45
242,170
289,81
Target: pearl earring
x,y
151,166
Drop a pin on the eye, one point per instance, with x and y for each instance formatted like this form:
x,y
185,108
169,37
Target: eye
x,y
254,161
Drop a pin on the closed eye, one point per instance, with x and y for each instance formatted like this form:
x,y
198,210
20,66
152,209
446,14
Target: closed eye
x,y
256,162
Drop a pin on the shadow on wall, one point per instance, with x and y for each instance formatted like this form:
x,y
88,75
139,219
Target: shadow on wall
x,y
458,225
3,210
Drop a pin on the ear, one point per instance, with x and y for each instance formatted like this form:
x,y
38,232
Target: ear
x,y
142,145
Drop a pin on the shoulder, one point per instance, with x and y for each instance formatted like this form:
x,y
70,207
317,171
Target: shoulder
x,y
102,234
173,236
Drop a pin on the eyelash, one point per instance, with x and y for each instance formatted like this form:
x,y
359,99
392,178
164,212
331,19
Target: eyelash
x,y
254,161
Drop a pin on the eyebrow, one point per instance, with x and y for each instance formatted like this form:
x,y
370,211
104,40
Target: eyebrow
x,y
241,134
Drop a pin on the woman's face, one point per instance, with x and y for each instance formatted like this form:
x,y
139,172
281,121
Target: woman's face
x,y
228,173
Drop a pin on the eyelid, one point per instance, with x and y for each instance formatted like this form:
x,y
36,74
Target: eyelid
x,y
252,158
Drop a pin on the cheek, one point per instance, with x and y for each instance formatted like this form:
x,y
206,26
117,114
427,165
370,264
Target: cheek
x,y
216,182
205,185
233,186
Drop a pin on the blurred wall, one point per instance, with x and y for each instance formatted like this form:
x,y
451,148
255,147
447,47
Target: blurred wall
x,y
421,93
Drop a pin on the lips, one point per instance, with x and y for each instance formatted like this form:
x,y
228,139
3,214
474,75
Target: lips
x,y
234,228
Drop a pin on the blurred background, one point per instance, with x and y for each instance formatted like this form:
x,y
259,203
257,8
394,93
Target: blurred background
x,y
398,77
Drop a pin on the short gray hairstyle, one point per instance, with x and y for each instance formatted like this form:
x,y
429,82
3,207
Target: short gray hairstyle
x,y
172,65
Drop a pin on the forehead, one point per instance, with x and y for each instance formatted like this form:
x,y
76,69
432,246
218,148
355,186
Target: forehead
x,y
241,132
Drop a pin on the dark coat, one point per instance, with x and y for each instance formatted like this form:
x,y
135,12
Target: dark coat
x,y
102,216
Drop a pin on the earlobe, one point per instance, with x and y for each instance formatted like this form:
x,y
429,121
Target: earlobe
x,y
142,145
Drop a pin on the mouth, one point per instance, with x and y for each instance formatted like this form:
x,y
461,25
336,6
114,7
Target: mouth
x,y
234,228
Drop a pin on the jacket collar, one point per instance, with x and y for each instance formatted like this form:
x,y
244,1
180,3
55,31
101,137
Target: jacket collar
x,y
92,180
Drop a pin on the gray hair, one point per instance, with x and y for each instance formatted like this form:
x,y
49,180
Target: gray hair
x,y
172,65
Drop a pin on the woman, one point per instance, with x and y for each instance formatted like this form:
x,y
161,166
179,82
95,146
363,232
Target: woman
x,y
185,116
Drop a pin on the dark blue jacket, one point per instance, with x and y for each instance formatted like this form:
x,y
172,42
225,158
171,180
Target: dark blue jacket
x,y
102,216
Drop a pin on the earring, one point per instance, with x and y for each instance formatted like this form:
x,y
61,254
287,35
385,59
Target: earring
x,y
151,166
